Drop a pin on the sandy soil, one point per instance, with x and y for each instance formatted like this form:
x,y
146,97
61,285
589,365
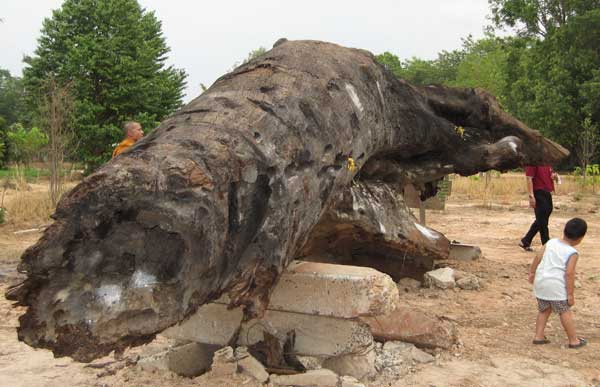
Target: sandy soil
x,y
495,324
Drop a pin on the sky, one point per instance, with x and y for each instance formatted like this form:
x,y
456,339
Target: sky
x,y
207,37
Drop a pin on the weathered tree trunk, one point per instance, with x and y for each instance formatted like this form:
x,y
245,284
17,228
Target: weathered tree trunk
x,y
225,193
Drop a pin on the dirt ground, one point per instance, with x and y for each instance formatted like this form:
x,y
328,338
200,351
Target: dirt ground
x,y
495,324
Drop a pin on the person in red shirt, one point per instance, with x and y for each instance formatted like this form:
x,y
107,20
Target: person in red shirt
x,y
540,185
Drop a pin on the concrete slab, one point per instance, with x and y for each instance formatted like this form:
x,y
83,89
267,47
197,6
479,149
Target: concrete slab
x,y
211,324
334,290
315,335
327,289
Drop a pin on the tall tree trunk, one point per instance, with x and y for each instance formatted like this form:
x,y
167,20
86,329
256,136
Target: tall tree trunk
x,y
225,193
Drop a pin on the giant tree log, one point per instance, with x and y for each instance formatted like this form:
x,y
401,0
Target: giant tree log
x,y
225,193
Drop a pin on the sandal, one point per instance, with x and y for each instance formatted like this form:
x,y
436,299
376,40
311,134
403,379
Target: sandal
x,y
542,341
582,342
524,247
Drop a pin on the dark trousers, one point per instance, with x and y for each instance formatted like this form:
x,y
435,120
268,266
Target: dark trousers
x,y
543,209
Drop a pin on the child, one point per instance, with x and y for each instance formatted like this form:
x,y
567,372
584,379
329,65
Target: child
x,y
553,270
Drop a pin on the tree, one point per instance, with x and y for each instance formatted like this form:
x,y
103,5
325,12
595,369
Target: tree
x,y
11,97
259,179
586,145
113,53
24,143
56,114
482,64
554,84
538,18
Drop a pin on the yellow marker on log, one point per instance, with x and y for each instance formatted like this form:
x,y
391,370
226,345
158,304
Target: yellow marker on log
x,y
351,164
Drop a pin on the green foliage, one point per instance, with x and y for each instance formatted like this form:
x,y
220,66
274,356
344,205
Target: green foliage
x,y
591,177
548,75
554,84
25,143
479,63
2,215
538,17
11,98
113,53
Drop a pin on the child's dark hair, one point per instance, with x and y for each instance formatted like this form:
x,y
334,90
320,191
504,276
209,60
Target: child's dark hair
x,y
575,228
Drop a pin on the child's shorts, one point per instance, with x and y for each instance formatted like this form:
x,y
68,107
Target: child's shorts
x,y
557,306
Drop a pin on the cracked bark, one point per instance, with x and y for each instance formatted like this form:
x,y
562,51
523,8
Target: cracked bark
x,y
226,192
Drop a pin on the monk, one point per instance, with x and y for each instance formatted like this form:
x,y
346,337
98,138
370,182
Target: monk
x,y
133,132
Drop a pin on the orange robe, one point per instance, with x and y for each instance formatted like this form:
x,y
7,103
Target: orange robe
x,y
125,144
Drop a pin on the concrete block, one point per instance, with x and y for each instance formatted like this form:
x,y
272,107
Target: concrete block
x,y
461,252
334,290
360,365
315,335
442,278
191,359
211,324
413,326
320,378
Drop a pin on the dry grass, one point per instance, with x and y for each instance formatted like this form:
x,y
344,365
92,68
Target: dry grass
x,y
508,188
28,203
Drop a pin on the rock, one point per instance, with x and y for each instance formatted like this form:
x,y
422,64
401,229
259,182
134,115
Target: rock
x,y
211,324
420,356
311,362
322,377
391,359
442,278
189,359
224,362
248,365
350,381
469,282
409,283
413,326
156,362
461,252
360,365
315,335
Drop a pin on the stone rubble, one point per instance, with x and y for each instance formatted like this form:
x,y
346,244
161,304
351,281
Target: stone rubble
x,y
224,362
315,378
248,365
442,278
335,329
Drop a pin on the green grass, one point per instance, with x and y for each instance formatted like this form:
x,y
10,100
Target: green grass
x,y
30,173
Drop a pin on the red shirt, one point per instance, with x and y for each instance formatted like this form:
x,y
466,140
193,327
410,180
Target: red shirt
x,y
542,177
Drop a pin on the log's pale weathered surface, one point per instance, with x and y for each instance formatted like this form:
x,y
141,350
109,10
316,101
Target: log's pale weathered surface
x,y
225,193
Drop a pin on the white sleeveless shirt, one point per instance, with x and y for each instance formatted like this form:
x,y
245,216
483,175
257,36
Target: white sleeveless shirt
x,y
550,283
